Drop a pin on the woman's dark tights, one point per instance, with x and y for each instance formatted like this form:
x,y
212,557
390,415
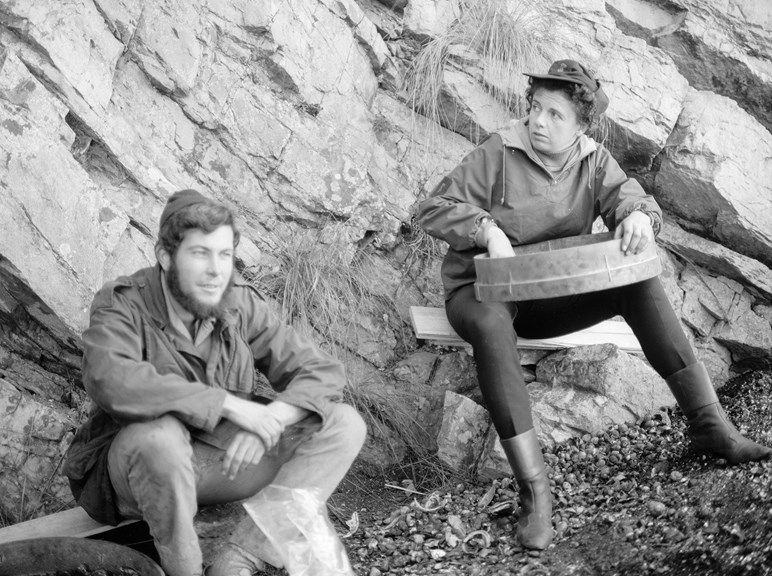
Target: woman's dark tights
x,y
492,329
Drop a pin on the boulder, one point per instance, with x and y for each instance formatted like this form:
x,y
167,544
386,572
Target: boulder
x,y
719,309
467,108
34,436
430,18
74,38
644,87
717,46
464,425
587,388
710,177
60,240
717,259
455,371
723,47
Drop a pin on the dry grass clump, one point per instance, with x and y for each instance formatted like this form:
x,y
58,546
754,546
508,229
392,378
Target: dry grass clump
x,y
505,38
324,284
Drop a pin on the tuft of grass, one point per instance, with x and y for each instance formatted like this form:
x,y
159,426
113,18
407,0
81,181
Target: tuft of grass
x,y
503,38
321,282
324,284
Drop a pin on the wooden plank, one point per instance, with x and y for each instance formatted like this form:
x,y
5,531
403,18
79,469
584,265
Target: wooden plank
x,y
431,323
73,522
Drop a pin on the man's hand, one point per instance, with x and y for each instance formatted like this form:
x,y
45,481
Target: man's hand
x,y
254,417
636,232
245,449
498,244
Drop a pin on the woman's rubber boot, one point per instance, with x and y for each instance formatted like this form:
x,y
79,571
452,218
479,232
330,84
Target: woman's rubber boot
x,y
534,526
708,426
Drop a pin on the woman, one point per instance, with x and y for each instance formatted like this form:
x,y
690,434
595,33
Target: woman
x,y
542,178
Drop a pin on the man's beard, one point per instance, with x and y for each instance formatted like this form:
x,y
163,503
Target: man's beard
x,y
189,302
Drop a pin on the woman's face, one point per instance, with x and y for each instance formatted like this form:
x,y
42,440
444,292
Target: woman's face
x,y
553,123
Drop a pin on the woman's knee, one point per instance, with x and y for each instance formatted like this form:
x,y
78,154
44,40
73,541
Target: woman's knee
x,y
484,321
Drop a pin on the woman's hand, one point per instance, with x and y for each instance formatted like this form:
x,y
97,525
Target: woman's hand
x,y
498,244
636,232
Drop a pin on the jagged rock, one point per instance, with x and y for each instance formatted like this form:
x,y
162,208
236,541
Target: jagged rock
x,y
383,447
587,388
723,47
716,358
716,46
412,151
366,33
718,259
464,423
416,369
60,240
467,108
394,4
644,87
708,300
430,18
709,175
720,308
33,438
764,311
84,49
669,277
493,462
456,372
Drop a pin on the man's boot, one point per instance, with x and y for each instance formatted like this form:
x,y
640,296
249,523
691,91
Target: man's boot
x,y
534,526
708,426
238,557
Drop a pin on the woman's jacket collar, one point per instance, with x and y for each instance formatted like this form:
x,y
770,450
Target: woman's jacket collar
x,y
515,135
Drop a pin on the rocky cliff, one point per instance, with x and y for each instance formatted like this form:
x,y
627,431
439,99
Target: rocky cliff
x,y
295,114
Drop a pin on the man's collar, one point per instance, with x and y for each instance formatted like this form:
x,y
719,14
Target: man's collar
x,y
176,320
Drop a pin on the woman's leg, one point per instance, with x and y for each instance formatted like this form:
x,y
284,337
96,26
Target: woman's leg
x,y
487,326
644,305
646,308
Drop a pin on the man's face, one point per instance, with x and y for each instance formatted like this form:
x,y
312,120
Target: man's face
x,y
201,272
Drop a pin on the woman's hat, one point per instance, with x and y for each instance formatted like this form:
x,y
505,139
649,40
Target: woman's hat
x,y
572,71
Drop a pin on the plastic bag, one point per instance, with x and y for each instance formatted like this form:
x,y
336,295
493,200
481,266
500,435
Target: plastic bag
x,y
295,521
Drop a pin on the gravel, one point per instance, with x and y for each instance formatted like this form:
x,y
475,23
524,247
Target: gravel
x,y
632,500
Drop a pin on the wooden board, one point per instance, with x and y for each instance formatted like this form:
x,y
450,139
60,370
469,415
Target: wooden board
x,y
432,324
74,522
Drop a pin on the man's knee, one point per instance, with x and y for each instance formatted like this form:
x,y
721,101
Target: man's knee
x,y
344,421
159,443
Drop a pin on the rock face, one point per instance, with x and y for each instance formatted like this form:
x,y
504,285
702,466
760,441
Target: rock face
x,y
294,114
32,439
710,177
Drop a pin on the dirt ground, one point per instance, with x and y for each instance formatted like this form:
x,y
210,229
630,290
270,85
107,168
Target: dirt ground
x,y
633,500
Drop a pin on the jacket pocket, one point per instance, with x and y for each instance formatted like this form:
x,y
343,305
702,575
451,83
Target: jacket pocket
x,y
239,372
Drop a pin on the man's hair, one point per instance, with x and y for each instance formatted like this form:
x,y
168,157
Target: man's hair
x,y
206,215
581,97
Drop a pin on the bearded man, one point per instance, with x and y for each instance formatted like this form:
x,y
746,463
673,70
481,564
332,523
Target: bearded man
x,y
170,361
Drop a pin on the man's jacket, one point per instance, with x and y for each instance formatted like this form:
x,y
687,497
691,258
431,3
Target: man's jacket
x,y
504,179
136,368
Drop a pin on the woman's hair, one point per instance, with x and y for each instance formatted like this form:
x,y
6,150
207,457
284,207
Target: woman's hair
x,y
581,97
206,216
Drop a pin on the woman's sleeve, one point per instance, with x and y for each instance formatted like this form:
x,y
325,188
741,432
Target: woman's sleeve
x,y
457,205
618,196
